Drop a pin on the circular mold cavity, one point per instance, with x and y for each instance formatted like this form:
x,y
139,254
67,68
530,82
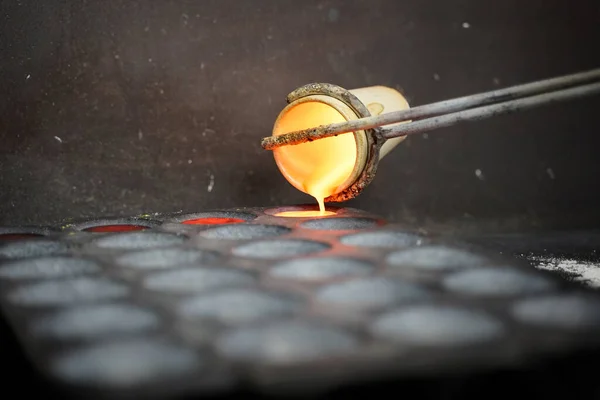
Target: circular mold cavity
x,y
320,268
196,280
437,326
113,225
286,343
382,239
238,306
138,240
571,311
304,214
435,258
68,291
369,293
32,248
166,258
125,363
302,211
116,228
272,249
93,321
244,232
16,233
214,218
496,282
18,236
339,224
213,221
47,268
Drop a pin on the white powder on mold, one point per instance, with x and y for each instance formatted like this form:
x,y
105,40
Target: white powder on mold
x,y
587,273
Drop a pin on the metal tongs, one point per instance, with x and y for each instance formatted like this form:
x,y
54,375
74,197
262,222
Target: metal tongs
x,y
450,112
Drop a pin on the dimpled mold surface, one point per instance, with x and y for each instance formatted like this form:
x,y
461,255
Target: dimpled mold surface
x,y
319,268
165,258
31,248
94,320
437,326
47,268
286,342
200,301
238,306
124,363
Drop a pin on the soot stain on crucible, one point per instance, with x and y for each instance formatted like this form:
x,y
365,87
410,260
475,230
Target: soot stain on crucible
x,y
166,258
319,268
383,239
67,291
497,282
32,248
339,224
90,321
125,363
197,280
272,249
368,293
286,343
245,231
435,258
562,311
139,240
47,268
430,325
238,306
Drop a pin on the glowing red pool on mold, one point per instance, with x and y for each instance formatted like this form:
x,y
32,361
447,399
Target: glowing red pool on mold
x,y
115,228
18,236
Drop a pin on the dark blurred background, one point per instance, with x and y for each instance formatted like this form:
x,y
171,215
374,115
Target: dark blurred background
x,y
113,108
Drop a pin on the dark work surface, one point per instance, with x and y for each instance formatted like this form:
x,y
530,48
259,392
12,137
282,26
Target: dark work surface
x,y
572,376
124,107
573,255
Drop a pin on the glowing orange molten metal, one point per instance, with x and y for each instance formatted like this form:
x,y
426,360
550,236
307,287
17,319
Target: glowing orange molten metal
x,y
304,213
317,168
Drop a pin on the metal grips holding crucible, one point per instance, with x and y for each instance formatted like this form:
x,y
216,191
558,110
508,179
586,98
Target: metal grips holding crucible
x,y
328,140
